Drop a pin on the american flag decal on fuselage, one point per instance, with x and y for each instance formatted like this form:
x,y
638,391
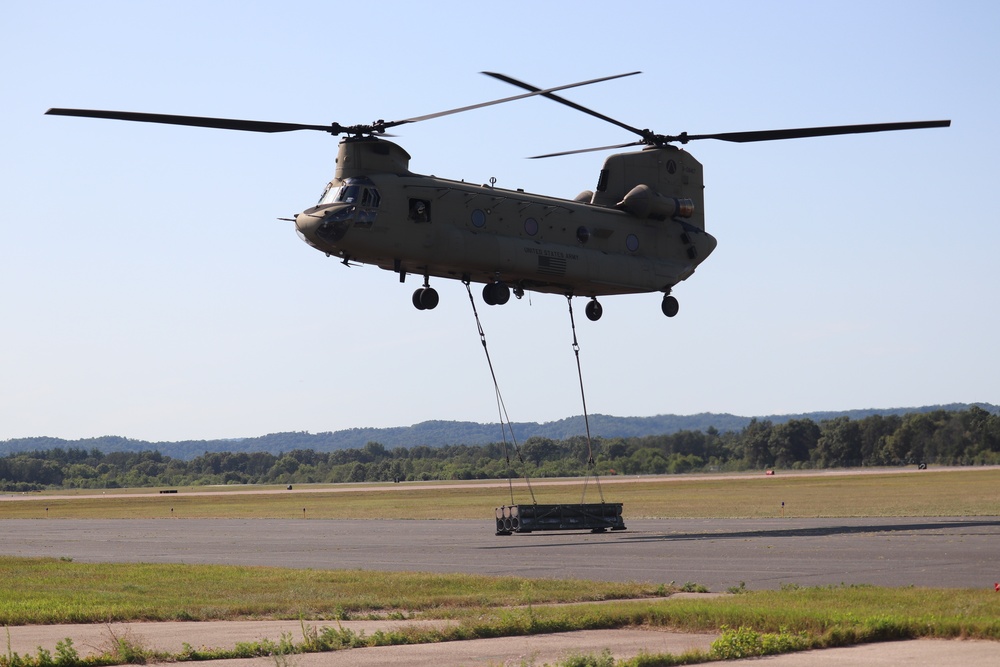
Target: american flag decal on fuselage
x,y
551,266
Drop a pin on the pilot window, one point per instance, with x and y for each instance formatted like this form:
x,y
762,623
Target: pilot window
x,y
349,194
353,191
362,198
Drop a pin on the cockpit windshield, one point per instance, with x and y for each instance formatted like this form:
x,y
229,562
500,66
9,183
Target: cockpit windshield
x,y
360,192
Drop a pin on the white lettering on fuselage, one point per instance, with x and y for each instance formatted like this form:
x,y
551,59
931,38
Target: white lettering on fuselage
x,y
551,253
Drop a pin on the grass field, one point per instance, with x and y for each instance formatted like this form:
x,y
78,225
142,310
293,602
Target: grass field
x,y
961,492
46,591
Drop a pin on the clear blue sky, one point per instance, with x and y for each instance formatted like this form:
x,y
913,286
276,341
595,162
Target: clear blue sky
x,y
148,289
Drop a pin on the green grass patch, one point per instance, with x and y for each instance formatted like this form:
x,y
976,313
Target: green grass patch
x,y
46,591
958,492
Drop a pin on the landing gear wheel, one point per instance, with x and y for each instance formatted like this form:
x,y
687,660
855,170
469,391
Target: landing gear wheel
x,y
488,298
425,298
594,310
429,298
496,294
670,306
501,293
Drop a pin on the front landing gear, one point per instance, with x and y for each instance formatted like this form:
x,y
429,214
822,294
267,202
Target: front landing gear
x,y
669,306
496,294
594,310
425,298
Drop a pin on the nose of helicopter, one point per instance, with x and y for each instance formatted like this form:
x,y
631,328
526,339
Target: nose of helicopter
x,y
306,225
325,227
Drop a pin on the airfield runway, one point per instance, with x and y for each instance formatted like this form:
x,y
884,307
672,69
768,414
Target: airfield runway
x,y
715,553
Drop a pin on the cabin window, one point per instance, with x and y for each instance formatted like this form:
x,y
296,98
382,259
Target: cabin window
x,y
531,226
419,210
478,218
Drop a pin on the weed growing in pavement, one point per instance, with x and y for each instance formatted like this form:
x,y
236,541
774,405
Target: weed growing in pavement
x,y
746,642
125,647
737,590
691,587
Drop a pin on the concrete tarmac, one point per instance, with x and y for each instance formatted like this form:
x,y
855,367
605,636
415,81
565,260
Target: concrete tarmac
x,y
716,553
503,651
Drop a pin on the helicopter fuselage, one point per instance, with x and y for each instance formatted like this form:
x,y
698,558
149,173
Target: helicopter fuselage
x,y
375,211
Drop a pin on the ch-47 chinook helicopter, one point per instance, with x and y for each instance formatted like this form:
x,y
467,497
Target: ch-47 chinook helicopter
x,y
641,230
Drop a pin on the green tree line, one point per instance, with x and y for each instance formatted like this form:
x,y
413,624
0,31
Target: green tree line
x,y
966,437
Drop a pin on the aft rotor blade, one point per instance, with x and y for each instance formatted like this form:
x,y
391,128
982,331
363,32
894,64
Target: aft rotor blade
x,y
195,121
804,132
572,105
534,91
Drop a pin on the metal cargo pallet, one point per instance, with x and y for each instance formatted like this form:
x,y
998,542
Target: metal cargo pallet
x,y
595,517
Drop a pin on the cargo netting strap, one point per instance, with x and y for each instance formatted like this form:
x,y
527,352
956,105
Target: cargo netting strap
x,y
505,425
591,466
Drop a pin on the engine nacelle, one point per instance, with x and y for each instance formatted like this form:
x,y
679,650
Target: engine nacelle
x,y
644,202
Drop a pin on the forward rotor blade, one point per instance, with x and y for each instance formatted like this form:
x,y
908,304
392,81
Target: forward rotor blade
x,y
804,132
266,126
588,150
195,121
535,91
572,105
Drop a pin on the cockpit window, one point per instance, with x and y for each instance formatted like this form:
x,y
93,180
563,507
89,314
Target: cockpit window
x,y
361,198
349,194
325,197
357,191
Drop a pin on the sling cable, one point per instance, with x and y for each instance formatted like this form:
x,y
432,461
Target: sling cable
x,y
521,518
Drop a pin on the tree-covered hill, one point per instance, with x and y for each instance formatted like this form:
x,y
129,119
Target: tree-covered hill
x,y
941,437
444,433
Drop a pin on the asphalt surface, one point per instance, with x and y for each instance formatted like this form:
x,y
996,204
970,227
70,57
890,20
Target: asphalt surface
x,y
718,554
